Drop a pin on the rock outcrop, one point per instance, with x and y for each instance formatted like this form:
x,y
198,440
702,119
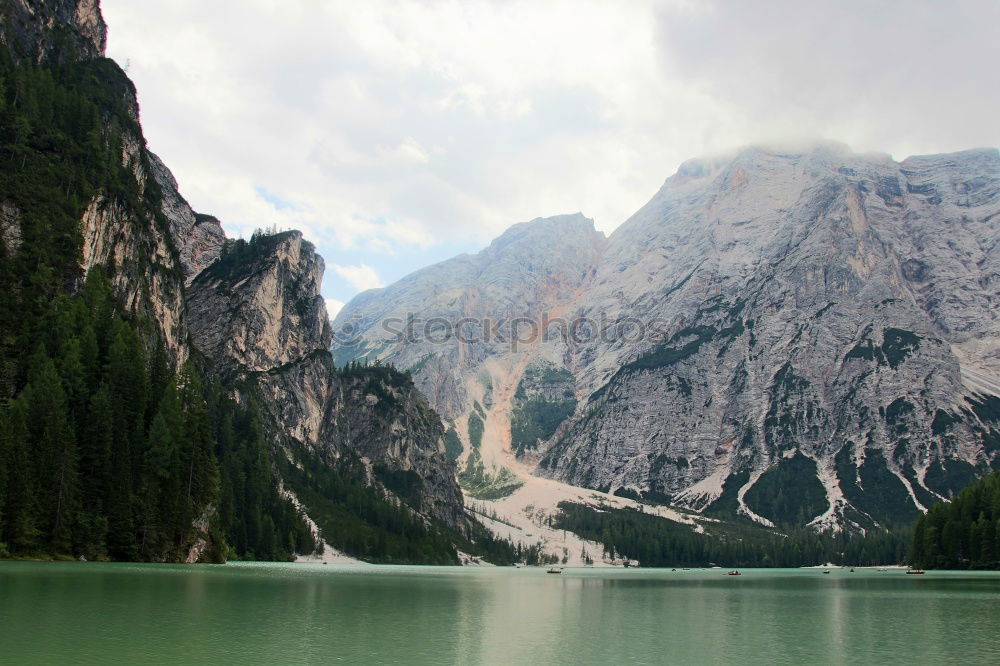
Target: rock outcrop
x,y
199,237
53,31
259,306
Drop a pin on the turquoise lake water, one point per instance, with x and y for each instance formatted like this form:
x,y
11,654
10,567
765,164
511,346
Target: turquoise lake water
x,y
97,613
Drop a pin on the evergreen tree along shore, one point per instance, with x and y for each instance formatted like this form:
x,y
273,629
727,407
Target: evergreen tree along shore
x,y
105,452
656,542
963,533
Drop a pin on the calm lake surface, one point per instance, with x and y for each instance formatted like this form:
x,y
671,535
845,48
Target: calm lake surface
x,y
295,613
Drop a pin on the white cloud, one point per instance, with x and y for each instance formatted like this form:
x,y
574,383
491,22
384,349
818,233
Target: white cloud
x,y
392,125
361,277
333,306
900,78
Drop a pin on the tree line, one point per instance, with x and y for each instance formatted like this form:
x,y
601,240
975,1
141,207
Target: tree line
x,y
963,533
107,452
657,542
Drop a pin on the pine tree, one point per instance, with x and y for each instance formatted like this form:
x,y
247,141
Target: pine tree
x,y
198,446
165,504
95,465
128,383
20,525
118,504
5,447
51,435
962,533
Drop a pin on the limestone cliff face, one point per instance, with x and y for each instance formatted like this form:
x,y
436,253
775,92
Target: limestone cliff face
x,y
136,236
816,303
153,242
374,414
385,419
256,313
813,319
260,307
145,273
53,31
199,238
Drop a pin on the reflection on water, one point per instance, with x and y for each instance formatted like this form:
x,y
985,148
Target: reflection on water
x,y
274,613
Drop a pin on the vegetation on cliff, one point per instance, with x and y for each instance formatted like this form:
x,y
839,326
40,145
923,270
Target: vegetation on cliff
x,y
107,452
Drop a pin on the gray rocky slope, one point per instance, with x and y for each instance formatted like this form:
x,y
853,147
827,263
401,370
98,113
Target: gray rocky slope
x,y
251,314
796,337
534,268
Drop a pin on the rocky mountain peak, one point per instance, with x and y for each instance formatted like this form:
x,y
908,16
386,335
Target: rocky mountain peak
x,y
258,306
847,280
533,270
546,232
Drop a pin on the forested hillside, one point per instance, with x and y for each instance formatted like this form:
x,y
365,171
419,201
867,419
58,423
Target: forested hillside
x,y
656,542
963,533
106,450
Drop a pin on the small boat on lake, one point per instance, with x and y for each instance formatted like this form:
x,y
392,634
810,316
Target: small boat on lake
x,y
914,572
734,572
827,571
554,570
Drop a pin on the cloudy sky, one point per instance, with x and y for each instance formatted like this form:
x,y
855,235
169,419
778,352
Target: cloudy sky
x,y
396,134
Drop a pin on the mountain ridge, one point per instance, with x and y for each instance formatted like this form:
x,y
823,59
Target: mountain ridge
x,y
884,269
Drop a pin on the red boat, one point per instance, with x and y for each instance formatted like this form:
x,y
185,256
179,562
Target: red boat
x,y
914,572
734,572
